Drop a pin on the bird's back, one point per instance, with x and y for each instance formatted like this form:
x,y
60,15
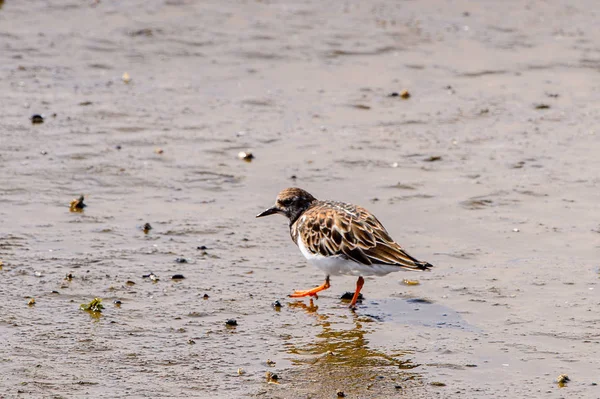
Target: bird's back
x,y
331,228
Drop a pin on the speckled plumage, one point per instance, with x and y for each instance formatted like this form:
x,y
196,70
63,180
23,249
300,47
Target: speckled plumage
x,y
351,235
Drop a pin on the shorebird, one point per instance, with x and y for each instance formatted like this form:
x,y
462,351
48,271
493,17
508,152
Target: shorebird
x,y
340,239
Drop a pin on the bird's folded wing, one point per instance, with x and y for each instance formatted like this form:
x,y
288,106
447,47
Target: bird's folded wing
x,y
352,232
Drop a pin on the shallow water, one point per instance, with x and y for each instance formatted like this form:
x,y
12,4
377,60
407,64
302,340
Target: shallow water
x,y
504,93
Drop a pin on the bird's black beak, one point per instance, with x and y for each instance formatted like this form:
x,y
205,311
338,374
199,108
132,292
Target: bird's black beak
x,y
268,212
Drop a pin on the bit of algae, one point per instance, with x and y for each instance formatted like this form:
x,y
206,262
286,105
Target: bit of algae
x,y
95,306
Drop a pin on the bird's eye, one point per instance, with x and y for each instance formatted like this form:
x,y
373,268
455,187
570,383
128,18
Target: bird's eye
x,y
286,202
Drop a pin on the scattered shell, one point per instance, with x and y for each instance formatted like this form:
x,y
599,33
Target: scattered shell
x,y
126,78
246,156
271,377
146,228
433,158
516,230
231,323
270,363
36,119
77,204
69,277
562,380
437,384
410,282
191,341
31,302
340,394
151,276
241,371
159,151
405,94
177,277
129,282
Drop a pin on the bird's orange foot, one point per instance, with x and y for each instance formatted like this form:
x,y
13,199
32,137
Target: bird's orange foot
x,y
312,292
359,284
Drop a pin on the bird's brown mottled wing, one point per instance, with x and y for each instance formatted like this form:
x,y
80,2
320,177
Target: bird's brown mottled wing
x,y
336,228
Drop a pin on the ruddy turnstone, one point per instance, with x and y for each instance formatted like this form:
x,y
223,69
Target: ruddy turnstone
x,y
340,239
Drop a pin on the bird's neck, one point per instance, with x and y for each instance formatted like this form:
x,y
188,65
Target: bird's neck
x,y
296,213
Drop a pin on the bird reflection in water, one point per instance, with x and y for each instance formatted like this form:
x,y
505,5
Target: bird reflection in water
x,y
342,358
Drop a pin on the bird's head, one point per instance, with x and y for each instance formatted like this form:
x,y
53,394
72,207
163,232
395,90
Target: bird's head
x,y
290,202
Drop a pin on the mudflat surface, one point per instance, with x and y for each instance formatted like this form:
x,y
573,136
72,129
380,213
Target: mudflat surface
x,y
489,171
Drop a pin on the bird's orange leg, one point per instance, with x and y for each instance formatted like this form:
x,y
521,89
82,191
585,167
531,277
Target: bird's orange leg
x,y
313,292
359,284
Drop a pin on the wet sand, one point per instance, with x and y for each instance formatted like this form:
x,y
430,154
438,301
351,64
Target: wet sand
x,y
506,93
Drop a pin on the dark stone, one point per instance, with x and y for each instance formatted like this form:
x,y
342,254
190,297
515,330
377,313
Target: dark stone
x,y
37,118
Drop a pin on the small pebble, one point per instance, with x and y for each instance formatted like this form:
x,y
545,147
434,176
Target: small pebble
x,y
191,341
405,94
69,277
54,292
205,296
516,230
349,295
146,228
36,119
340,394
276,305
241,371
246,156
118,147
178,277
202,248
231,322
126,78
180,260
117,302
394,94
31,302
270,363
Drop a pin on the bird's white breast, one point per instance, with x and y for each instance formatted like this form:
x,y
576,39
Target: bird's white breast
x,y
338,266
